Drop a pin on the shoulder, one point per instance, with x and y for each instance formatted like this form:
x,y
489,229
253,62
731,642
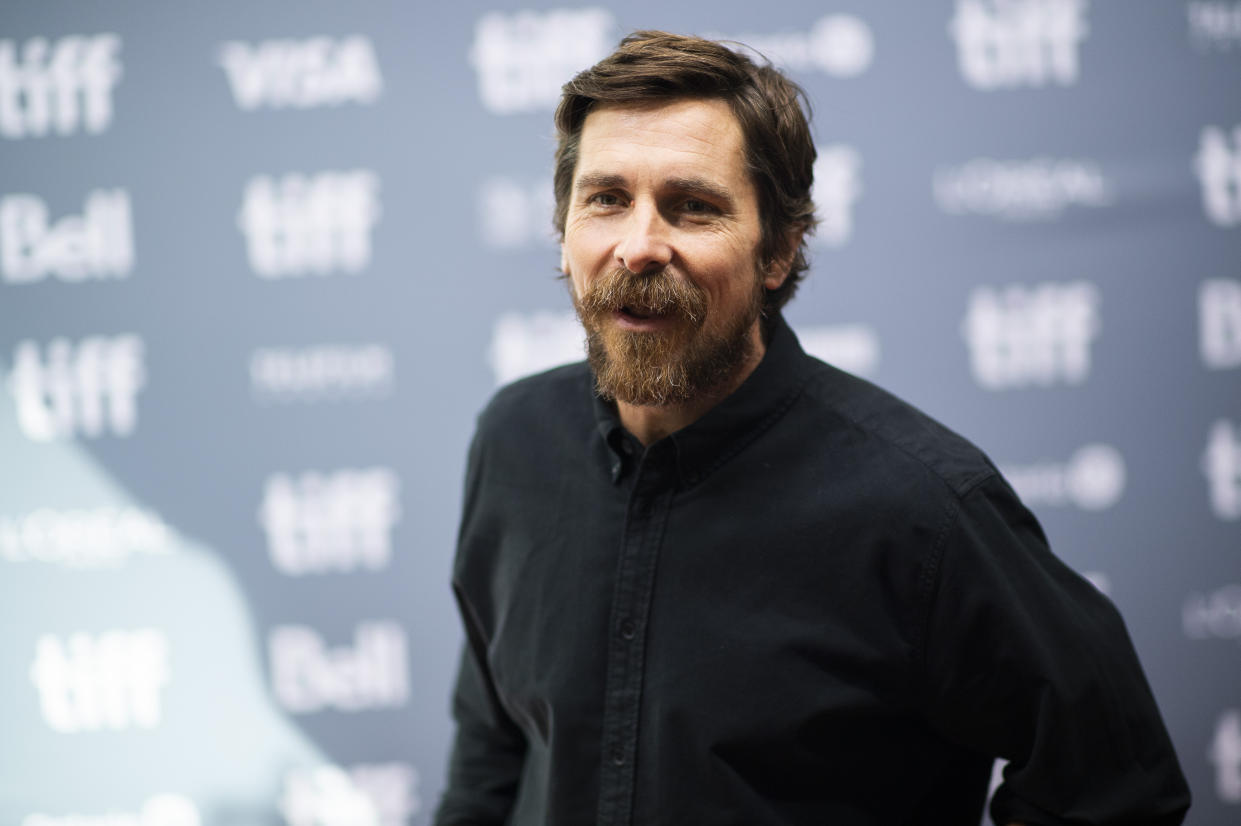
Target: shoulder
x,y
891,434
544,404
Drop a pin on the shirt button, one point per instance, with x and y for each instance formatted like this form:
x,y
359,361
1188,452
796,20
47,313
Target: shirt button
x,y
618,757
628,629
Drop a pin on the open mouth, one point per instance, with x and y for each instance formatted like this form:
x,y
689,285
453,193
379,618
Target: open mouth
x,y
640,313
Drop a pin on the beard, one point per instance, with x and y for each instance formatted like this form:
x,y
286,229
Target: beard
x,y
671,366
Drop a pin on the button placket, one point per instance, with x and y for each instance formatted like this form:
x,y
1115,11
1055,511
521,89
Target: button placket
x,y
626,650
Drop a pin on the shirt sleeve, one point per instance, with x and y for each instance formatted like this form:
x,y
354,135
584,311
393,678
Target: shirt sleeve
x,y
488,753
1028,661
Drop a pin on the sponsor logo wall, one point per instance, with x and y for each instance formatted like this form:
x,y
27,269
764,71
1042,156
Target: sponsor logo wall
x,y
225,236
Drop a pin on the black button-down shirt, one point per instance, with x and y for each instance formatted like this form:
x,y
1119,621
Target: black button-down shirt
x,y
814,605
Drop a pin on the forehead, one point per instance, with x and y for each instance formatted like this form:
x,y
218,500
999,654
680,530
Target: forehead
x,y
674,138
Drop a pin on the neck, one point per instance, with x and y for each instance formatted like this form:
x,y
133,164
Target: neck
x,y
650,423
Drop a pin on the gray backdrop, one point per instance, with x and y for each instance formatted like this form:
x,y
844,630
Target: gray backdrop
x,y
262,263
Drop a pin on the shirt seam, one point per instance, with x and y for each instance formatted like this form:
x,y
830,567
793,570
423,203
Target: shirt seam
x,y
928,579
965,487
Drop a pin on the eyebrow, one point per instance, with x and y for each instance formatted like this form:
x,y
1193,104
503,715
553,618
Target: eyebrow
x,y
598,180
692,185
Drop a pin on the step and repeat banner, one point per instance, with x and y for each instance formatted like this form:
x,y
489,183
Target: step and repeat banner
x,y
262,263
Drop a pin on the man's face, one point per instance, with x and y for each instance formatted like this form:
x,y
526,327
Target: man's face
x,y
660,246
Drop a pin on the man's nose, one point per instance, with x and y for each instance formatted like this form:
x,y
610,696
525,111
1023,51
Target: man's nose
x,y
645,245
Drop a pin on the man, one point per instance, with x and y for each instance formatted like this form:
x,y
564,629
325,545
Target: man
x,y
711,580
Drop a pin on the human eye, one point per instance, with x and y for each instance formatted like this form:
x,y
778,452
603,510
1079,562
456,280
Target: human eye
x,y
699,209
604,199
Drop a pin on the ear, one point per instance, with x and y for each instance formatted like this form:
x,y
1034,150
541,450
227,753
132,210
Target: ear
x,y
564,260
778,268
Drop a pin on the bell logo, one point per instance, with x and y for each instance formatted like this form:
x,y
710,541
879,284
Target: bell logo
x,y
85,389
302,74
837,185
1218,165
310,224
98,244
523,59
58,87
1003,44
340,521
110,681
373,794
1022,336
1222,465
1225,755
307,676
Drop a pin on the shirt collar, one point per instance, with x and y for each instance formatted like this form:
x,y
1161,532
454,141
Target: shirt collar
x,y
728,427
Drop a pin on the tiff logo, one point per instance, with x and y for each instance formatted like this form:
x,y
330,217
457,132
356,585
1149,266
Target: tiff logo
x,y
307,676
837,184
371,794
302,74
310,224
159,810
526,343
1219,323
85,389
1021,336
516,214
1218,165
1225,756
1092,479
522,59
1010,43
110,681
340,521
1222,465
58,87
98,244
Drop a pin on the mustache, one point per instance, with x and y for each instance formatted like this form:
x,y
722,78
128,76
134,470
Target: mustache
x,y
654,293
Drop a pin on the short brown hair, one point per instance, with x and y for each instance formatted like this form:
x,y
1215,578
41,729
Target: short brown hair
x,y
779,151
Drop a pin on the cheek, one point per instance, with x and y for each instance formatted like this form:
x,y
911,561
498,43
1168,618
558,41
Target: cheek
x,y
580,254
731,281
578,284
